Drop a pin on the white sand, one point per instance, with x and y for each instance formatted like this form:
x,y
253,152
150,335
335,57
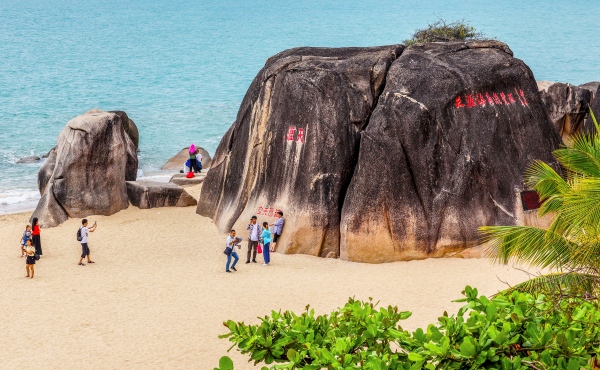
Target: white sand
x,y
158,294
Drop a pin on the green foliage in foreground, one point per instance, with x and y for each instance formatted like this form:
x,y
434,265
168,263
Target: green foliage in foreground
x,y
441,31
510,331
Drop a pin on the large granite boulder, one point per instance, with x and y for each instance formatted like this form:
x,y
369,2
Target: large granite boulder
x,y
444,152
566,106
176,162
294,144
182,180
85,174
29,159
381,154
149,194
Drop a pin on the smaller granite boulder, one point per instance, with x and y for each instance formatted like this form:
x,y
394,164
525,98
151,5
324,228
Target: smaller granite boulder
x,y
176,162
29,159
566,106
149,194
49,152
180,179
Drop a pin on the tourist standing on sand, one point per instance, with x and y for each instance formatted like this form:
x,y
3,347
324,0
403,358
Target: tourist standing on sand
x,y
277,229
232,241
265,236
85,250
253,237
30,260
26,236
35,236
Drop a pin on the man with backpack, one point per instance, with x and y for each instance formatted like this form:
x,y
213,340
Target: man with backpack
x,y
82,237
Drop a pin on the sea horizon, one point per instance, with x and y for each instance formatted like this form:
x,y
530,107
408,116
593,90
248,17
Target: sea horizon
x,y
180,70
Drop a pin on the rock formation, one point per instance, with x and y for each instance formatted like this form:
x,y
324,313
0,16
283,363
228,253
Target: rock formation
x,y
176,162
29,159
566,105
181,179
461,123
148,194
294,143
595,105
381,154
85,174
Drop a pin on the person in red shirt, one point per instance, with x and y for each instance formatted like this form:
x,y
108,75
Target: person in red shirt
x,y
35,236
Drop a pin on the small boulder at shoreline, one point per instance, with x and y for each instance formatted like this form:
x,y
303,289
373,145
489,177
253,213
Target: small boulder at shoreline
x,y
176,162
29,159
149,194
85,174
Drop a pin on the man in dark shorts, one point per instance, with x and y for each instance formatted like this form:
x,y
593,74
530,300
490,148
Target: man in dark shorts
x,y
277,229
85,250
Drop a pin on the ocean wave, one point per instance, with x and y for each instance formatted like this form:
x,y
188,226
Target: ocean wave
x,y
18,200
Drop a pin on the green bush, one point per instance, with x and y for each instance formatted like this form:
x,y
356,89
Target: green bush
x,y
441,31
510,331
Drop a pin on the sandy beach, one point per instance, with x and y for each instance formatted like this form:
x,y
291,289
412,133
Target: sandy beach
x,y
158,294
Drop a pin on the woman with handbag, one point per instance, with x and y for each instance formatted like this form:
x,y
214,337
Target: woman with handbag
x,y
35,234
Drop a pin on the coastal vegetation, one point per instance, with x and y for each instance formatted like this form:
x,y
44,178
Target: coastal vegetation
x,y
513,330
570,246
442,31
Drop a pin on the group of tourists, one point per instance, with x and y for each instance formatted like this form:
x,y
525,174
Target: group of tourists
x,y
31,244
194,162
261,240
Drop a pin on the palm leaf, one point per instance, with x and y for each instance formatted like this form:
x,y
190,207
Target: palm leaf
x,y
532,245
572,283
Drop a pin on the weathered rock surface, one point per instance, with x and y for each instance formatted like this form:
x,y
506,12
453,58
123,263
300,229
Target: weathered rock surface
x,y
181,180
595,105
294,144
129,126
86,173
444,151
176,162
48,154
566,106
148,194
592,86
29,159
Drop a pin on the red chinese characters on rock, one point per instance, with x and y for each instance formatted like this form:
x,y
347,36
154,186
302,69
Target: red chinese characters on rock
x,y
490,98
267,211
296,134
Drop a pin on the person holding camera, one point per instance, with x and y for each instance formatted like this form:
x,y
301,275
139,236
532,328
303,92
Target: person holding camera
x,y
85,250
232,241
253,238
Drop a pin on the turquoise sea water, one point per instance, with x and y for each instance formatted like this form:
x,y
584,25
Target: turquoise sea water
x,y
180,68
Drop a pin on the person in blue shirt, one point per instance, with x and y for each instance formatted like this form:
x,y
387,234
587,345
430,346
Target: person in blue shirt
x,y
265,236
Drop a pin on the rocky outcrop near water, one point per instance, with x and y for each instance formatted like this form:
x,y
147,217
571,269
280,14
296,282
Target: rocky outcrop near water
x,y
381,154
148,194
177,161
86,173
595,106
567,105
294,144
29,159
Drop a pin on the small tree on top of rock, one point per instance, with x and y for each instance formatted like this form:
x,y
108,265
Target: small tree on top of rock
x,y
441,31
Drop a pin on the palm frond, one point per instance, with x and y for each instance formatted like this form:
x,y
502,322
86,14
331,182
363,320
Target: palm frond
x,y
581,205
545,180
572,283
532,245
580,162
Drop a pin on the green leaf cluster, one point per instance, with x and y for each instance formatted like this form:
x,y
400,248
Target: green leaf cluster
x,y
513,330
442,31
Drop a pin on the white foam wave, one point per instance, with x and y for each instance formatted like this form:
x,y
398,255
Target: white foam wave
x,y
18,200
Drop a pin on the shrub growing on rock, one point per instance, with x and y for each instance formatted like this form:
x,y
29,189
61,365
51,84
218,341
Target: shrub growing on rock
x,y
442,31
510,331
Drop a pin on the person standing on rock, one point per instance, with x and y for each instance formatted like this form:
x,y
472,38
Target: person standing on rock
x,y
85,250
265,237
193,163
35,235
253,238
232,241
277,229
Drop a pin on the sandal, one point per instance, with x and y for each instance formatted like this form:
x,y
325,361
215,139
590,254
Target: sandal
x,y
81,264
91,262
